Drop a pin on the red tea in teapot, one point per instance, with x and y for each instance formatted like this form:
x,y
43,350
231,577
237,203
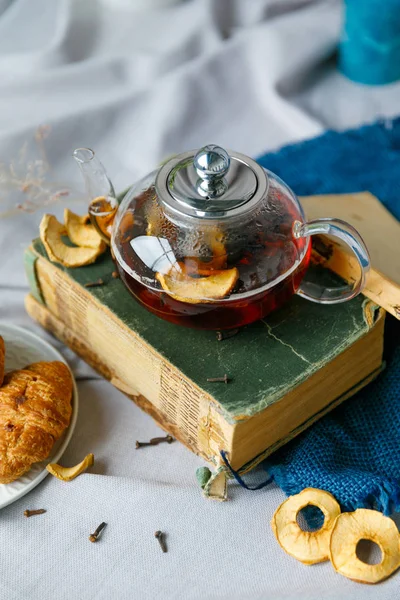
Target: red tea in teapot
x,y
214,280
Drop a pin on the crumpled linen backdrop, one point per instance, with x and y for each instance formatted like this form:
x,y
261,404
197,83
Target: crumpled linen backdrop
x,y
250,75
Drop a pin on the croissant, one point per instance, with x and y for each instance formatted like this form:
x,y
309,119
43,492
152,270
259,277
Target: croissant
x,y
35,409
2,356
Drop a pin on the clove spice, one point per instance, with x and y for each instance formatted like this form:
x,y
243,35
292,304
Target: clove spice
x,y
159,440
91,284
224,379
94,536
161,540
155,441
31,513
142,444
115,274
225,335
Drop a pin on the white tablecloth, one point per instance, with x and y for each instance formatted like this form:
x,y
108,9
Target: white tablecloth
x,y
249,75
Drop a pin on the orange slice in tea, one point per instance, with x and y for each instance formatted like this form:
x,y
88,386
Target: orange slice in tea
x,y
194,290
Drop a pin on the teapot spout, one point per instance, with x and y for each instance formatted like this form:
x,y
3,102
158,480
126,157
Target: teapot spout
x,y
103,204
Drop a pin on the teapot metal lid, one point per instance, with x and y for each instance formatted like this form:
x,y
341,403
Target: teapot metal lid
x,y
211,184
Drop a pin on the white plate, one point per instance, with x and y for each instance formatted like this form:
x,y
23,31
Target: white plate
x,y
23,348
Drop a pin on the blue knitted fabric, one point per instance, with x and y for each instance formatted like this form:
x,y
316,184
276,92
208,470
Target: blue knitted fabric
x,y
353,452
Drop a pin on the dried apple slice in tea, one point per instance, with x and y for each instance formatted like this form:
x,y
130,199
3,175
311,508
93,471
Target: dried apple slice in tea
x,y
196,265
349,529
194,290
309,547
79,231
193,266
51,232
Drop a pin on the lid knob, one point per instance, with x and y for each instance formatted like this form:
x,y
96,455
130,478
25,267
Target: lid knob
x,y
210,183
211,162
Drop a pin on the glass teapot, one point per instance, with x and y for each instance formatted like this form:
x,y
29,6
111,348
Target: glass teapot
x,y
212,240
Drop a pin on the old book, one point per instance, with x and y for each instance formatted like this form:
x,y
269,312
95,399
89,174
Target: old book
x,y
286,371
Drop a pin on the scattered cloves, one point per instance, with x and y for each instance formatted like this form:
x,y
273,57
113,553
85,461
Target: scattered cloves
x,y
115,274
142,444
224,379
161,540
155,441
31,513
159,440
225,335
91,284
94,536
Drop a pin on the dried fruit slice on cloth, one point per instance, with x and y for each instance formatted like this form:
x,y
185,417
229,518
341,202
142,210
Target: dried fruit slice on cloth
x,y
51,232
349,529
80,231
198,289
69,473
309,547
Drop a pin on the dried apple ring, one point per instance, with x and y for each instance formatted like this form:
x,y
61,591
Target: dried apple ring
x,y
203,289
51,232
309,547
79,231
364,524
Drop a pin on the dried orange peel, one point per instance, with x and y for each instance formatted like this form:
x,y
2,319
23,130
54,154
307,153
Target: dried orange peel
x,y
51,232
309,547
80,232
193,290
69,473
349,529
2,359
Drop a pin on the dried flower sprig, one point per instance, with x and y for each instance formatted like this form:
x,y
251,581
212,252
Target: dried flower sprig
x,y
25,182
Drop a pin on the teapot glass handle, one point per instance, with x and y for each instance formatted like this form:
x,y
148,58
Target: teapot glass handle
x,y
346,232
